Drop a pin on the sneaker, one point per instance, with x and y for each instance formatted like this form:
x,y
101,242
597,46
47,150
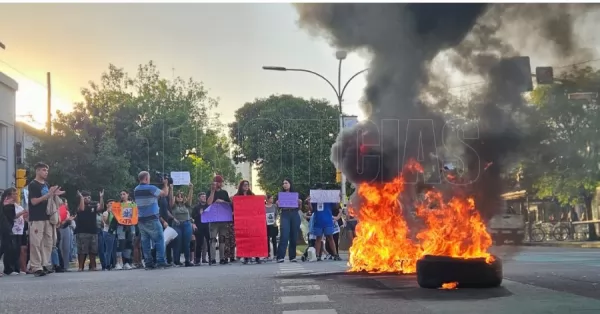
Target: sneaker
x,y
188,264
127,266
39,273
337,258
294,260
149,267
22,273
223,262
119,267
47,270
281,260
213,262
204,261
245,261
14,273
164,266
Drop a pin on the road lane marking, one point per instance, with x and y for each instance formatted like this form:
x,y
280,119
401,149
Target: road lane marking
x,y
299,288
303,299
294,281
324,311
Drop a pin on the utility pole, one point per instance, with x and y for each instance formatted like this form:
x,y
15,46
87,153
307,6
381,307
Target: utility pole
x,y
49,108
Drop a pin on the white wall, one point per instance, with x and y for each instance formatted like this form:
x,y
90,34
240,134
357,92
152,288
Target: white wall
x,y
8,90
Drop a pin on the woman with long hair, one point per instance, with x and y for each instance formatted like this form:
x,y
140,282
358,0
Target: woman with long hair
x,y
11,230
243,190
289,225
182,223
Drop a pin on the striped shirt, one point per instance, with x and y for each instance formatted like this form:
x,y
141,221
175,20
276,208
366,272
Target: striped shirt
x,y
146,199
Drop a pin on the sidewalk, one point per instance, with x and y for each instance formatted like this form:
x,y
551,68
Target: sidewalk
x,y
567,244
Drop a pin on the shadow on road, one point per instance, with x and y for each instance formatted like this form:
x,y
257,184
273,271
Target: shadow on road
x,y
394,286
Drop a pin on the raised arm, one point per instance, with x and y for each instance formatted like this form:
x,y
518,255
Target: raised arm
x,y
190,194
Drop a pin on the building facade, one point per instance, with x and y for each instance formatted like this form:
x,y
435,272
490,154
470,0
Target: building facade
x,y
25,137
8,92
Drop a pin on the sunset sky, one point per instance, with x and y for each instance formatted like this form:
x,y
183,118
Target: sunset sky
x,y
222,45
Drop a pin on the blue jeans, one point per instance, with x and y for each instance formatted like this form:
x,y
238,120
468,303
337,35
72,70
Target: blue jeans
x,y
101,249
54,257
109,244
288,232
182,242
152,233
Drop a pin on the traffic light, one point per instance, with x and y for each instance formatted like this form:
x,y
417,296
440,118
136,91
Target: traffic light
x,y
21,180
544,75
515,71
338,176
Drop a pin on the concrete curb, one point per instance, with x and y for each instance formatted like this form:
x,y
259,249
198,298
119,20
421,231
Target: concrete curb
x,y
569,244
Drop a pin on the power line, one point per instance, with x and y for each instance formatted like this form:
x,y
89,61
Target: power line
x,y
555,67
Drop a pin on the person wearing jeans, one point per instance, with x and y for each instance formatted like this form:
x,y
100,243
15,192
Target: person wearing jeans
x,y
151,231
289,225
183,225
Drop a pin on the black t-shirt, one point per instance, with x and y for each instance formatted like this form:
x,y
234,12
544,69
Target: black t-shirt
x,y
86,219
164,208
37,190
197,216
336,211
219,195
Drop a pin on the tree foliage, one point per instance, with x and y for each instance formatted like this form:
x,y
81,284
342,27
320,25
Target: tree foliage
x,y
286,137
129,124
567,166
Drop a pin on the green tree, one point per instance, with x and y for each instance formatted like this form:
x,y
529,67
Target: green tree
x,y
151,122
286,137
567,164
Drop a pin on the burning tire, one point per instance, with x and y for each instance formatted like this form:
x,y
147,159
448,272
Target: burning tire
x,y
435,271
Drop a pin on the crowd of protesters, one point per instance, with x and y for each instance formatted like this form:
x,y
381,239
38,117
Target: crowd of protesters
x,y
40,236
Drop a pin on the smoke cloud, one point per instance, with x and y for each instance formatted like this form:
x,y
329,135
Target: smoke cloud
x,y
404,84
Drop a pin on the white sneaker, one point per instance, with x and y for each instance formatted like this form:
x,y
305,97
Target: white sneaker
x,y
312,254
127,266
119,267
14,273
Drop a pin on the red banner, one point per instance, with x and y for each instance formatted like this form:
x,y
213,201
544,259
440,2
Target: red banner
x,y
250,226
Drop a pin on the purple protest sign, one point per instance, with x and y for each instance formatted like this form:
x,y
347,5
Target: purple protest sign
x,y
288,199
217,212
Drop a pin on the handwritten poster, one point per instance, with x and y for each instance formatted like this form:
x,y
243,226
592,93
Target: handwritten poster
x,y
250,226
181,177
218,212
288,199
125,213
324,196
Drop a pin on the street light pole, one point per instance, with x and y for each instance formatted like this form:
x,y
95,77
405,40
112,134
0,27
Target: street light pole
x,y
339,93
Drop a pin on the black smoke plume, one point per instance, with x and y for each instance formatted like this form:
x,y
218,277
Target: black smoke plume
x,y
404,84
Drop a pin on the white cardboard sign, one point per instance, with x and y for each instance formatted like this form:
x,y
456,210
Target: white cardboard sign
x,y
324,196
181,177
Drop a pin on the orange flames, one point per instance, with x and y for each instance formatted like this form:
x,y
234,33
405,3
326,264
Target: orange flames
x,y
384,242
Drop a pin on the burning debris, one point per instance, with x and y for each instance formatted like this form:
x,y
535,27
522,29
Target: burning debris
x,y
412,118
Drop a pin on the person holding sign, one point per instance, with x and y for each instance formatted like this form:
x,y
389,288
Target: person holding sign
x,y
290,224
218,195
244,190
183,225
323,224
272,230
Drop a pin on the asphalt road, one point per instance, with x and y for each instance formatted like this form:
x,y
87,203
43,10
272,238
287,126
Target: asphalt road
x,y
537,280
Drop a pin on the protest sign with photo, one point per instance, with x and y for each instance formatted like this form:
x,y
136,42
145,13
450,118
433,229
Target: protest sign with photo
x,y
125,213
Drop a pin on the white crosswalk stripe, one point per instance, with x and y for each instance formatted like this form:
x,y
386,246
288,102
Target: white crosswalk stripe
x,y
300,286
